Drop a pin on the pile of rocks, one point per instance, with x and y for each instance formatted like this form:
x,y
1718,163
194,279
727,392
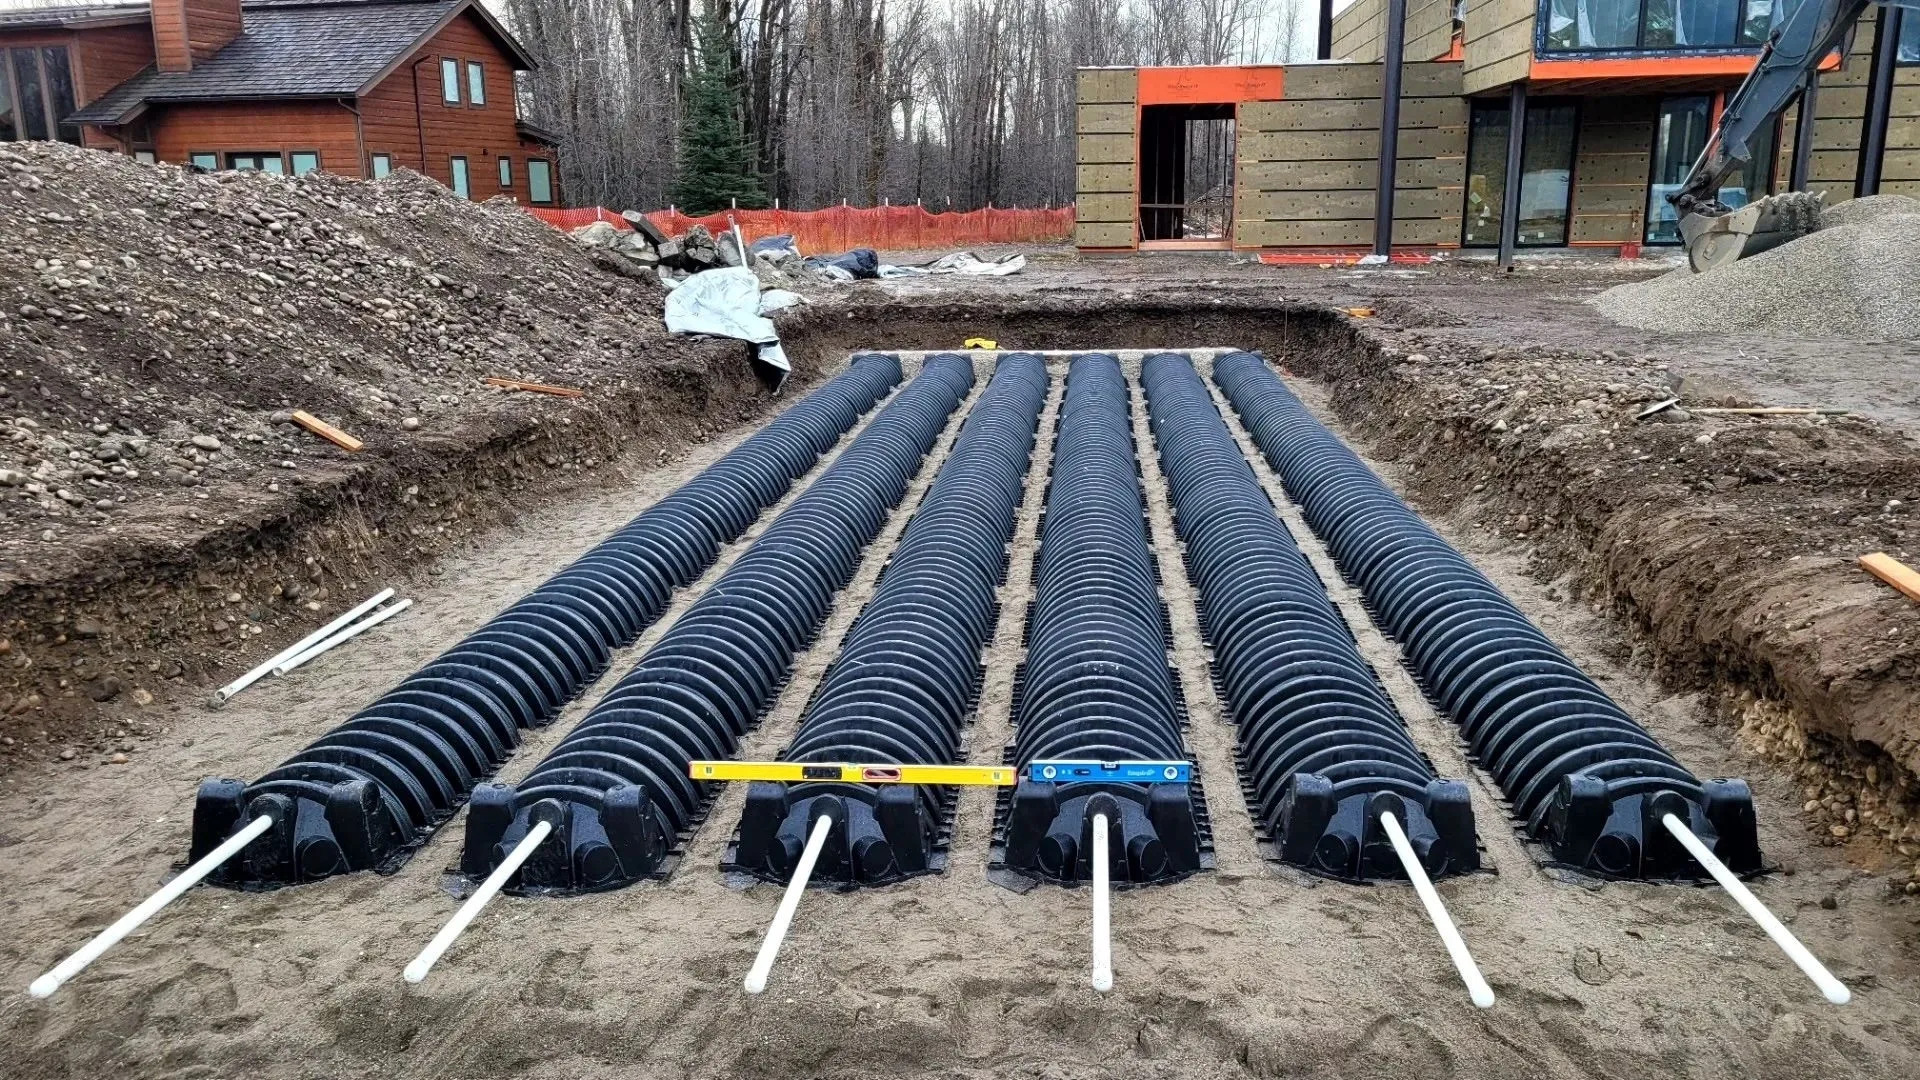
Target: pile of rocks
x,y
645,248
156,323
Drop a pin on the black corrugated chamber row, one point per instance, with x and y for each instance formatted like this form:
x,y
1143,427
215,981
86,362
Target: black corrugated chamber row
x,y
369,791
1096,684
909,671
1322,749
615,791
1582,776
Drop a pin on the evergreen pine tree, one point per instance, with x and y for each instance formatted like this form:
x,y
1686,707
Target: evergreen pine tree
x,y
715,168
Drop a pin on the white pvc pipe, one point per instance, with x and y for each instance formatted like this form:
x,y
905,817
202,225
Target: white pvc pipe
x,y
45,985
457,925
1477,987
221,696
355,630
783,916
1835,990
1102,916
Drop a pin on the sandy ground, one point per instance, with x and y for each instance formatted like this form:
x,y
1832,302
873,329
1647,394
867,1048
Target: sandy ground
x,y
1247,970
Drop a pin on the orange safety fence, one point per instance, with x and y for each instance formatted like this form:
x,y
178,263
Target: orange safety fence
x,y
839,228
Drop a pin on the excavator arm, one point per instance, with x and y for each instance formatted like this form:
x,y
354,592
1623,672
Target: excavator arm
x,y
1716,234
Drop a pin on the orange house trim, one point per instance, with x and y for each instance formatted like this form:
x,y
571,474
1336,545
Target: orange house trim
x,y
1651,67
1210,85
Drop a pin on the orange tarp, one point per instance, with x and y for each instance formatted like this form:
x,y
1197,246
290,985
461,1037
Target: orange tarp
x,y
838,228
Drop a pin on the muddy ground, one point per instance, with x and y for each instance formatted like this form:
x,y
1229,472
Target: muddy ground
x,y
1644,575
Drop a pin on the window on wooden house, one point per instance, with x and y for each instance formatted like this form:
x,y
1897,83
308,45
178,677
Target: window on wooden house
x,y
476,83
506,172
462,185
257,161
450,82
36,93
204,162
1909,35
539,181
382,165
1546,173
305,161
144,156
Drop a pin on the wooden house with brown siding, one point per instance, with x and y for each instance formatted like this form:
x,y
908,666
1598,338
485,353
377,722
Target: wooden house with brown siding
x,y
353,87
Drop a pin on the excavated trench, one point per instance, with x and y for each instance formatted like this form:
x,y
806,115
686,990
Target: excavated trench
x,y
943,973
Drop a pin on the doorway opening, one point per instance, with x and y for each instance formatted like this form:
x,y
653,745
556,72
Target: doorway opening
x,y
1186,177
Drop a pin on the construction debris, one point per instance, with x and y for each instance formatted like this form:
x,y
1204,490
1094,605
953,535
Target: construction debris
x,y
327,431
1854,279
1893,572
534,387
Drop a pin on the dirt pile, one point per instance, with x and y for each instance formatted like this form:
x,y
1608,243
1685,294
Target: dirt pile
x,y
159,514
1858,277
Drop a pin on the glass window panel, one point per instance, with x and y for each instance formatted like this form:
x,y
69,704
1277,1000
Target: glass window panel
x,y
1546,177
272,163
144,156
382,165
1691,23
1909,37
450,81
1486,173
58,72
207,162
1678,138
506,172
1546,164
461,187
476,83
539,181
9,127
1593,24
305,162
33,107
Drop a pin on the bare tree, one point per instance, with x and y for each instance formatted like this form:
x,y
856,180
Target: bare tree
x,y
954,103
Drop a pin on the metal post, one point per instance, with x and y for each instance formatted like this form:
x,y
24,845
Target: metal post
x,y
1325,50
1873,141
1510,195
1389,127
1803,124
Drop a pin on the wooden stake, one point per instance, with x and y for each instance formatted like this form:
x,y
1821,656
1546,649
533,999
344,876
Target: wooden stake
x,y
534,387
1893,572
327,431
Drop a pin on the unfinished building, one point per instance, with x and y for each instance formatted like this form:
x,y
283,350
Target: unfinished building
x,y
1616,100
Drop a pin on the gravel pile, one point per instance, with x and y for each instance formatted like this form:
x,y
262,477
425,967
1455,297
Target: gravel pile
x,y
157,327
1858,277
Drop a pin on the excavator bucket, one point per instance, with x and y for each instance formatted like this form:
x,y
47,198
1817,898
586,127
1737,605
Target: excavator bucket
x,y
1714,241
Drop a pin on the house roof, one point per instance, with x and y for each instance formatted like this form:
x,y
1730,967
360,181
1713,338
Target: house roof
x,y
299,49
72,16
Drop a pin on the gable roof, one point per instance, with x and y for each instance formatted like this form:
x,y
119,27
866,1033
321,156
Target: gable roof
x,y
300,49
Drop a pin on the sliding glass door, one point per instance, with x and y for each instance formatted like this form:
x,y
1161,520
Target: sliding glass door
x,y
1546,173
1678,138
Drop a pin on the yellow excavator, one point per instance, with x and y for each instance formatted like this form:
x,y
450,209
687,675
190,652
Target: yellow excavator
x,y
1715,233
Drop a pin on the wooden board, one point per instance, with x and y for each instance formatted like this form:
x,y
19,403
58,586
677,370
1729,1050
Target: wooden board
x,y
1105,149
1346,81
327,431
1104,178
1311,205
1103,233
1106,119
1106,85
1343,232
1356,173
1349,145
1893,572
1116,207
1354,114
